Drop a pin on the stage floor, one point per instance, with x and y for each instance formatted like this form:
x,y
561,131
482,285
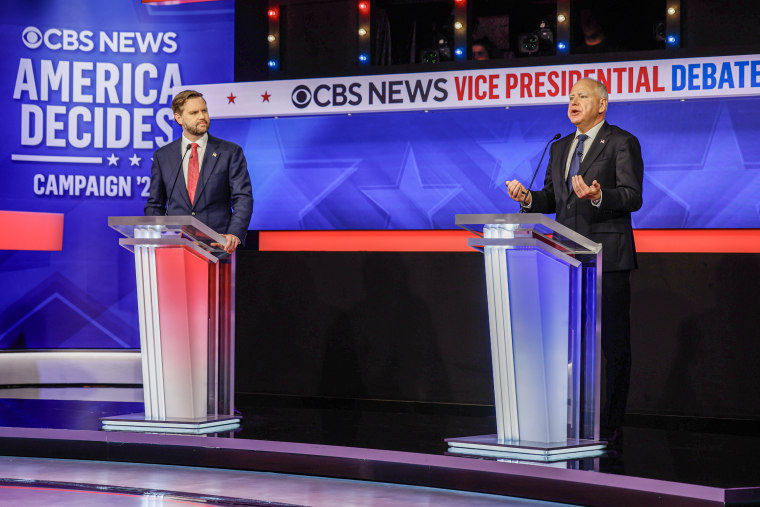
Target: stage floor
x,y
391,442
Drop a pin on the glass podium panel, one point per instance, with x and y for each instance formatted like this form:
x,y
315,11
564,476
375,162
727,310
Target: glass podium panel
x,y
543,284
186,306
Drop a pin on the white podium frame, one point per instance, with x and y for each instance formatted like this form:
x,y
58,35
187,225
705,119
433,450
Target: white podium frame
x,y
186,307
544,295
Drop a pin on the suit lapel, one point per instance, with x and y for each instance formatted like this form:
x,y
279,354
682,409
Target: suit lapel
x,y
559,169
210,159
600,142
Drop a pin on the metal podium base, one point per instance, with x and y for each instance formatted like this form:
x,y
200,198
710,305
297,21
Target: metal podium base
x,y
490,446
197,426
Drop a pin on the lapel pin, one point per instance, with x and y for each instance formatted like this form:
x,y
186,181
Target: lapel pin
x,y
214,154
600,142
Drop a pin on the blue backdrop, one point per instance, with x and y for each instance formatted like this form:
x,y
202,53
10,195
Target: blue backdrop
x,y
88,79
91,80
416,170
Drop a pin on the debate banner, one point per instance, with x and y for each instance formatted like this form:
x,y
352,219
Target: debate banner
x,y
410,151
645,80
86,88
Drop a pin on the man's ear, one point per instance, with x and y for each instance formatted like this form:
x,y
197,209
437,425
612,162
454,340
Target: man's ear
x,y
178,119
602,105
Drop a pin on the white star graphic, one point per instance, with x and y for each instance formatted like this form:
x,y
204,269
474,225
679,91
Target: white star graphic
x,y
112,159
134,160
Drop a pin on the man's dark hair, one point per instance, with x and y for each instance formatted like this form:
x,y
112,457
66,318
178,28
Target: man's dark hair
x,y
178,103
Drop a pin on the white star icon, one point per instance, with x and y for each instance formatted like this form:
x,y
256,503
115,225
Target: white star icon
x,y
135,160
112,159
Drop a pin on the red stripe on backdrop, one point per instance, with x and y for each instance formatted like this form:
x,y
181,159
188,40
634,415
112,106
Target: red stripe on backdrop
x,y
27,230
366,241
647,241
698,240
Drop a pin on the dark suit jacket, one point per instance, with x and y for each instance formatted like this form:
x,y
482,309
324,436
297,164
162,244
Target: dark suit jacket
x,y
223,197
614,160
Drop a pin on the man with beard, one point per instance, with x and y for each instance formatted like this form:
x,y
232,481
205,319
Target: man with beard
x,y
215,189
593,183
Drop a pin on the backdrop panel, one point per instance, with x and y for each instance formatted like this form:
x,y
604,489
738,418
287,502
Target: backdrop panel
x,y
86,88
416,170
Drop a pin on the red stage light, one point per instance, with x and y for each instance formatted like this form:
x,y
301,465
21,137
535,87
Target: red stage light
x,y
272,13
364,7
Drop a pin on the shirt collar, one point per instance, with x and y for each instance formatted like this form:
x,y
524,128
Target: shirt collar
x,y
592,132
201,142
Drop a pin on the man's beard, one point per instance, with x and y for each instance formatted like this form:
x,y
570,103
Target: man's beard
x,y
197,131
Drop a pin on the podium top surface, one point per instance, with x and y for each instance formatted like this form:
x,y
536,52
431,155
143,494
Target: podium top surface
x,y
530,224
169,228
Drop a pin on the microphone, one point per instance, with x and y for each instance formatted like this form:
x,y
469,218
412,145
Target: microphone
x,y
179,170
522,204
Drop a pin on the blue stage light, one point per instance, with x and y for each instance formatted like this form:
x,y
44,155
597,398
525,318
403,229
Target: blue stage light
x,y
459,52
562,47
273,64
672,40
363,57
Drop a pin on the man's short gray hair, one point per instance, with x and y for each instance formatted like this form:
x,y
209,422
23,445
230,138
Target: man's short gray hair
x,y
601,89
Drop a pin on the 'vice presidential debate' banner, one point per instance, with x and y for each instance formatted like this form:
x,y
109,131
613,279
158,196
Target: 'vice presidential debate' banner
x,y
434,144
689,78
85,89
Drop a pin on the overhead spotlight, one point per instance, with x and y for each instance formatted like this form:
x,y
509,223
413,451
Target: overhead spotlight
x,y
271,38
362,32
671,11
561,18
458,25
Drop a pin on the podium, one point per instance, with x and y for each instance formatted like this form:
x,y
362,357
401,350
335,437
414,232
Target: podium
x,y
543,283
186,306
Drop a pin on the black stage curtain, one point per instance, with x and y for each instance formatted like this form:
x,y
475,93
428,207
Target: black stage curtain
x,y
414,327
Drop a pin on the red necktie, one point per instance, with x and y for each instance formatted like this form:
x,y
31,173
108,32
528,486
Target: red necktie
x,y
192,172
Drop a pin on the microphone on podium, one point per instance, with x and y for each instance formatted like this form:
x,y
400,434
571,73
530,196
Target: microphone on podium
x,y
522,204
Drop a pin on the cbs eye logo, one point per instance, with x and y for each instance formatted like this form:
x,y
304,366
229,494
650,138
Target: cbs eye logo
x,y
301,96
32,37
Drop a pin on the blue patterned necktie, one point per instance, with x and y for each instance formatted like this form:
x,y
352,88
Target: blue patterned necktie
x,y
575,163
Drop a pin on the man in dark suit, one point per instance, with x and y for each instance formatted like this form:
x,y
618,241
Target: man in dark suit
x,y
215,187
610,159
